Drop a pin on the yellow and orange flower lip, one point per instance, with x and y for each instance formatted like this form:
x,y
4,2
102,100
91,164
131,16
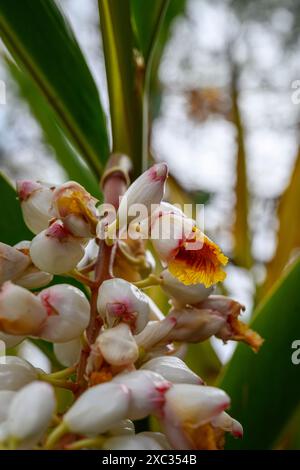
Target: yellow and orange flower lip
x,y
203,264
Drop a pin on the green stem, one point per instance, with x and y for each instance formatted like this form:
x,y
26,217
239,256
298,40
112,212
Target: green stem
x,y
88,443
62,374
55,435
150,281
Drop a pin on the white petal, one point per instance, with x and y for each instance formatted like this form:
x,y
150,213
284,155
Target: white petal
x,y
122,428
141,441
194,404
10,340
119,300
12,263
55,251
21,312
68,313
194,325
169,232
15,373
229,424
155,332
147,390
98,409
33,278
117,345
68,353
173,369
183,294
30,413
36,201
5,400
147,190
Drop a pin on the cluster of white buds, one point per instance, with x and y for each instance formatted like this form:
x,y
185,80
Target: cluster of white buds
x,y
124,358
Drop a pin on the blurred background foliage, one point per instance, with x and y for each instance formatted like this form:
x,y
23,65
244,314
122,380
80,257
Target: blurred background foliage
x,y
209,87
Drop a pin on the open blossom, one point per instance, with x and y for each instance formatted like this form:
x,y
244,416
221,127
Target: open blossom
x,y
118,346
182,293
68,313
98,409
36,201
141,441
55,250
119,300
147,390
232,328
187,409
21,312
173,369
27,428
190,255
15,373
72,204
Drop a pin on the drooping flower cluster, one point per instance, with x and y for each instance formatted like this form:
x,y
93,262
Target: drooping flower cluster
x,y
123,355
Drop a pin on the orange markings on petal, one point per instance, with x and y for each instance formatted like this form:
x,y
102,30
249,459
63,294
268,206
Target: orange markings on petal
x,y
203,264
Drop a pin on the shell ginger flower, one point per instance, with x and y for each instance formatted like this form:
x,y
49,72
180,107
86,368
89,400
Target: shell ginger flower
x,y
190,255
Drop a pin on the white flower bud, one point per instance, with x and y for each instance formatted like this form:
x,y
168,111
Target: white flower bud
x,y
33,278
10,340
12,263
68,353
155,313
68,313
21,312
124,427
155,332
148,189
229,424
118,346
98,409
141,441
119,300
36,200
173,369
188,407
147,391
183,294
76,208
194,325
5,400
15,373
55,250
30,413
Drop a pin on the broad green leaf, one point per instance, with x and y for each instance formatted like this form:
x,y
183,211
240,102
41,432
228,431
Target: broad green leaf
x,y
75,168
288,237
147,17
265,387
42,42
125,87
241,235
12,226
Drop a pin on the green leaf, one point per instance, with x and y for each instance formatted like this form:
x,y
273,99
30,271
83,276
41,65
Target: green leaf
x,y
124,86
241,234
41,40
75,168
265,387
12,226
288,237
146,18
